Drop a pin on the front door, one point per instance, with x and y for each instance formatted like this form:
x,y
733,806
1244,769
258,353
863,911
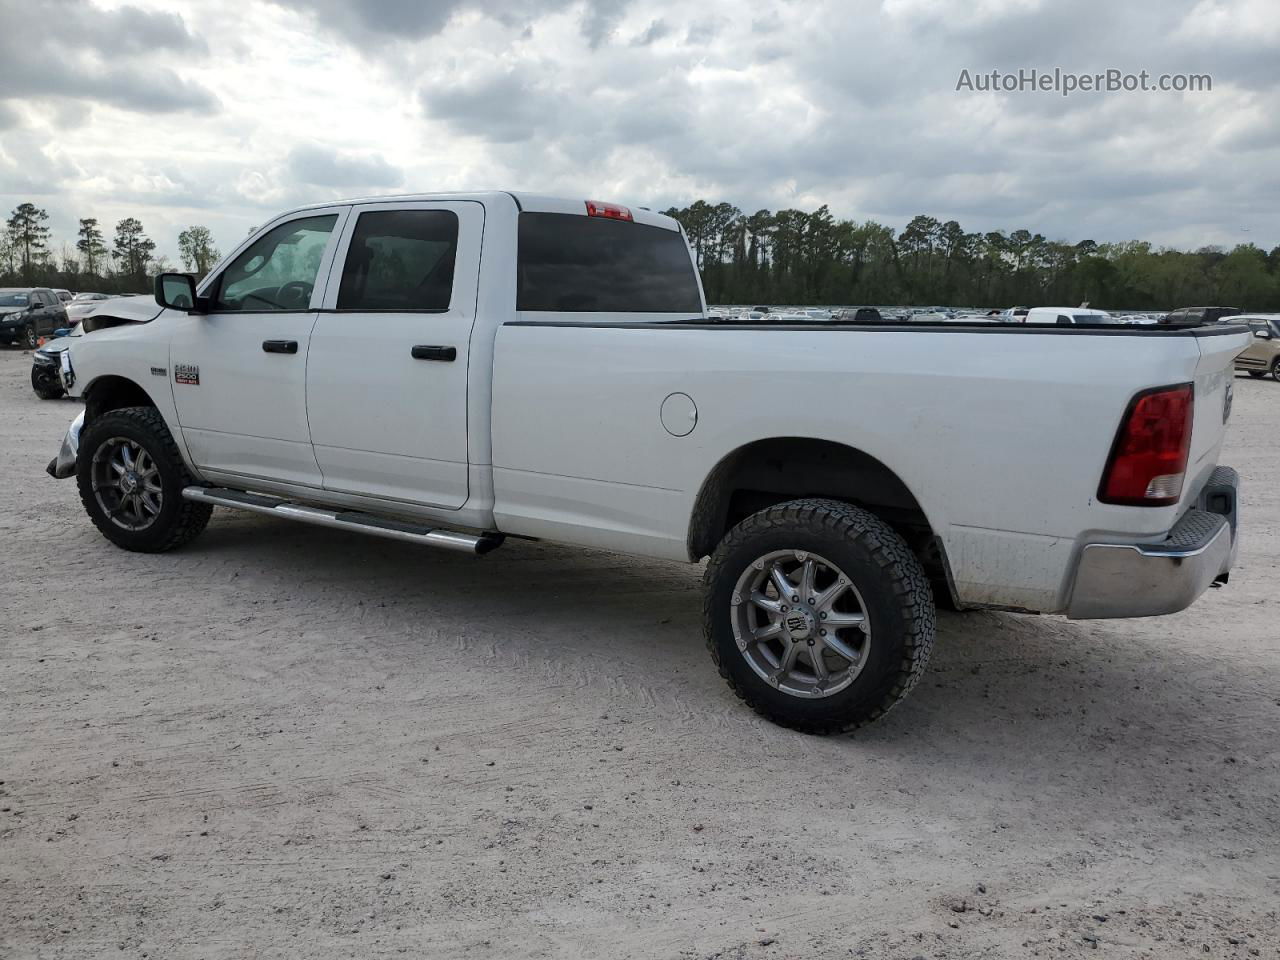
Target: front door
x,y
387,375
239,371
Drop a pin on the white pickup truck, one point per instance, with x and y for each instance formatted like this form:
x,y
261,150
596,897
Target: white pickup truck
x,y
450,370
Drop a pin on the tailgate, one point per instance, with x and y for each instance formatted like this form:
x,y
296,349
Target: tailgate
x,y
1215,377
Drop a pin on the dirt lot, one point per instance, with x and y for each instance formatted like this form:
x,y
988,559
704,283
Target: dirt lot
x,y
287,742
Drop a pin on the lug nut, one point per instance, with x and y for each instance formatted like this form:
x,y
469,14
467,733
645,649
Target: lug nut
x,y
823,614
811,641
822,633
795,599
811,601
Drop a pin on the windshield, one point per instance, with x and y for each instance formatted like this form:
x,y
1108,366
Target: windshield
x,y
13,300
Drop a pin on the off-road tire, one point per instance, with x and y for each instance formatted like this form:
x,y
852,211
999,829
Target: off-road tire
x,y
46,387
179,520
889,577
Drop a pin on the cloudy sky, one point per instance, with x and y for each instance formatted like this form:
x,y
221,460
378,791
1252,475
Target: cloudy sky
x,y
222,112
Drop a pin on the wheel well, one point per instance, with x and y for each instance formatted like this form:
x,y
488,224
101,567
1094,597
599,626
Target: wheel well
x,y
111,393
768,472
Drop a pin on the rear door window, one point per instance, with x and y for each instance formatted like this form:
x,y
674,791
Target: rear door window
x,y
400,260
578,264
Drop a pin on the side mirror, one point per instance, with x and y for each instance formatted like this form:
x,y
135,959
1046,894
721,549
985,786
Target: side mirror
x,y
1262,334
177,291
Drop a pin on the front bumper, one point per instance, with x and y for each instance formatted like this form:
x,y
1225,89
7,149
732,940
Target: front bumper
x,y
1151,579
64,464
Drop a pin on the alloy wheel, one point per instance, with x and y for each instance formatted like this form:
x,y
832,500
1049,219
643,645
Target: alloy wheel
x,y
126,483
800,623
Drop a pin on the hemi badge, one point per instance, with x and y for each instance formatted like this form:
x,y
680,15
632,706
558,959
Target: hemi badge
x,y
159,371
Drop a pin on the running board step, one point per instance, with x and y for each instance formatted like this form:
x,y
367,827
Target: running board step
x,y
346,520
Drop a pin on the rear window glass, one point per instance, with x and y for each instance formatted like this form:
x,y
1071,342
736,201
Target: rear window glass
x,y
400,260
579,264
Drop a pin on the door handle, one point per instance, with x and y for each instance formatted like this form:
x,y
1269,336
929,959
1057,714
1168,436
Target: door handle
x,y
280,346
446,354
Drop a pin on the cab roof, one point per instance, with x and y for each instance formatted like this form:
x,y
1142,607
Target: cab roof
x,y
525,202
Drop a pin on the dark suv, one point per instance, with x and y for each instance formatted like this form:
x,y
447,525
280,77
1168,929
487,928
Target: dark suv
x,y
29,313
1193,316
858,315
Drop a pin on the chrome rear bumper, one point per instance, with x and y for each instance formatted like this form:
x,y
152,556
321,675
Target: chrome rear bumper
x,y
1150,579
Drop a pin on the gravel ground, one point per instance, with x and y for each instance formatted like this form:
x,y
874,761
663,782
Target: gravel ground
x,y
288,742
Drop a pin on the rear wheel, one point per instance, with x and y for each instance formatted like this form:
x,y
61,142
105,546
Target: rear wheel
x,y
45,382
818,615
131,477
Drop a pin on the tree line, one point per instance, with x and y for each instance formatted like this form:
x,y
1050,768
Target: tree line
x,y
125,264
798,257
787,256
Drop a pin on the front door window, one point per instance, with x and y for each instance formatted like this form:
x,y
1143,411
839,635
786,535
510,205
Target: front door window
x,y
278,271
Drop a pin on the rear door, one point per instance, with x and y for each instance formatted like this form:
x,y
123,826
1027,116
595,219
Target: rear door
x,y
47,317
387,373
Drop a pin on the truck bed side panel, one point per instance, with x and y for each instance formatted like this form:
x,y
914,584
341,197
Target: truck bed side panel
x,y
1002,439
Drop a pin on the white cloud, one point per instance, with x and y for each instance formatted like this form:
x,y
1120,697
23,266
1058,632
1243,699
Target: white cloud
x,y
224,112
1252,21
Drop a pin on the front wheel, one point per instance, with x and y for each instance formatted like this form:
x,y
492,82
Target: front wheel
x,y
29,340
45,383
131,477
1275,369
818,615
1257,374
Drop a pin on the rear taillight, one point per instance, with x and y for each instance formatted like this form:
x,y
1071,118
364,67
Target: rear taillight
x,y
1149,457
610,211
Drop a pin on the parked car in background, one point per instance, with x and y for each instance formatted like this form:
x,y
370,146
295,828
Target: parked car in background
x,y
859,315
65,296
1262,356
29,313
46,379
81,297
1069,316
1192,316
